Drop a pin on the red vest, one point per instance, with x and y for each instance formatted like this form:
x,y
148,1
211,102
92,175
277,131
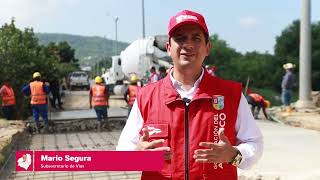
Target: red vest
x,y
8,98
133,90
256,97
38,95
99,95
214,106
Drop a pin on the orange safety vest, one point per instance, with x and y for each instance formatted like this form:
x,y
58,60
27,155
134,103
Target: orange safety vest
x,y
99,95
133,90
256,97
38,95
8,98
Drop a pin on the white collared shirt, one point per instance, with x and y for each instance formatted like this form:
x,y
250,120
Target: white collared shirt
x,y
249,139
182,92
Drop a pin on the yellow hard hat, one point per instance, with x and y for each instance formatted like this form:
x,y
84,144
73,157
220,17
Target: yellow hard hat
x,y
36,74
98,79
134,78
266,103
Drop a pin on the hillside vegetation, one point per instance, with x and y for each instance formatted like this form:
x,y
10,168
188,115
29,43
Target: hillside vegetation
x,y
88,49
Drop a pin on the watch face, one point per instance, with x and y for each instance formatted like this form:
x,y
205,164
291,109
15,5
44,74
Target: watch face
x,y
237,160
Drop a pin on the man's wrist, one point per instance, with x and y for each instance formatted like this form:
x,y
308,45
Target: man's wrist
x,y
234,153
237,158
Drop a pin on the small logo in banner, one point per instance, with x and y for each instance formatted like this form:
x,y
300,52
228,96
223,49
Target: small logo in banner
x,y
218,102
24,161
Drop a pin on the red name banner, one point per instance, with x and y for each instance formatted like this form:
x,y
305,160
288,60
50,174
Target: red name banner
x,y
89,160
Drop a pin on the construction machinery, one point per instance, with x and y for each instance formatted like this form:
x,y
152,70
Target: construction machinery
x,y
136,59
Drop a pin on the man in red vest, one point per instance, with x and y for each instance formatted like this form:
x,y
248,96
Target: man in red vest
x,y
8,100
257,102
132,91
38,91
202,122
99,98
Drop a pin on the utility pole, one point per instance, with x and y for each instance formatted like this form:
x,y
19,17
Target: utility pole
x,y
305,100
143,23
116,19
116,24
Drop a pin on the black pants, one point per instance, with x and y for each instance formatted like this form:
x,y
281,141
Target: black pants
x,y
56,96
9,112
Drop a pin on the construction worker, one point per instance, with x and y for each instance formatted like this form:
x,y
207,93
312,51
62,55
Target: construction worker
x,y
55,91
257,101
99,98
38,91
287,85
131,93
8,100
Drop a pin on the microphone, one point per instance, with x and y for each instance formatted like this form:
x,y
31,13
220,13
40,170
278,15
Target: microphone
x,y
186,100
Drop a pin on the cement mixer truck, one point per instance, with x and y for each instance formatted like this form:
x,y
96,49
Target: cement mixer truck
x,y
137,58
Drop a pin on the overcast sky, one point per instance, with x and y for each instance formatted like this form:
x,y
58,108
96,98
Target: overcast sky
x,y
246,25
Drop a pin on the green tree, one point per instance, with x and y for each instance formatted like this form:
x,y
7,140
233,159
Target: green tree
x,y
66,53
238,67
221,55
258,67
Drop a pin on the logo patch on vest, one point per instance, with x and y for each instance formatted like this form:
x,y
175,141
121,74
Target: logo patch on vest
x,y
153,130
218,102
157,130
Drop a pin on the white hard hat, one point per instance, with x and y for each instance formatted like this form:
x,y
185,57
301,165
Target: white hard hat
x,y
289,66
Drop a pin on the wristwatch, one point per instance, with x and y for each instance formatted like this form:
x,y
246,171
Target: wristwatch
x,y
237,159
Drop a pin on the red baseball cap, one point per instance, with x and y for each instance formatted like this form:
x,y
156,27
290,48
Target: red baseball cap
x,y
186,17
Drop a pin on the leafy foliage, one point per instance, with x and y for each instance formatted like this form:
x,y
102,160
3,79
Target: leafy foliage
x,y
238,67
221,55
257,67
